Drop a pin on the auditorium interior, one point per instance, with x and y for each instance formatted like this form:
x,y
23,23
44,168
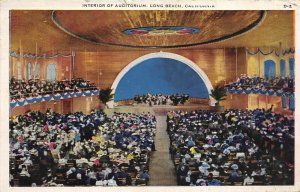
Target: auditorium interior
x,y
151,98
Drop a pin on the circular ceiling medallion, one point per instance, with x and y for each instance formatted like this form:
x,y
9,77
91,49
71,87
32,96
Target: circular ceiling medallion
x,y
165,29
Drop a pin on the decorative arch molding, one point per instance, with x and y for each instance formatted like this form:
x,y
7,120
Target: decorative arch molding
x,y
161,54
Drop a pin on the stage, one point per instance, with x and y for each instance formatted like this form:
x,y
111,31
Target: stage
x,y
157,109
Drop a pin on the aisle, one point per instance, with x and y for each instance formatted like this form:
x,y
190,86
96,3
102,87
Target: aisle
x,y
162,170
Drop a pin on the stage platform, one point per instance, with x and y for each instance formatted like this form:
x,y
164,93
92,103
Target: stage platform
x,y
157,109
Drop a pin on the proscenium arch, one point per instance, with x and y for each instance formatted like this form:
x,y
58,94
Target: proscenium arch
x,y
167,55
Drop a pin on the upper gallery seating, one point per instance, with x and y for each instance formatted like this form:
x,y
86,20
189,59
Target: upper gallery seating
x,y
32,88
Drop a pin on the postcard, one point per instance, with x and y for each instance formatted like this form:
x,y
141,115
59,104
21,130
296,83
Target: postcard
x,y
137,95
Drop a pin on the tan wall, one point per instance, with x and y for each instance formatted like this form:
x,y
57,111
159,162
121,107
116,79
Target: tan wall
x,y
235,101
103,67
86,104
255,63
63,66
43,106
254,101
83,104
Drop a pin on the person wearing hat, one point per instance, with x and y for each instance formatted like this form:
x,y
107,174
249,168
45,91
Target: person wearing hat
x,y
181,173
24,177
144,175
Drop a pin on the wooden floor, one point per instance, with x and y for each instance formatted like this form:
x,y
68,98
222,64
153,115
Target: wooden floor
x,y
162,170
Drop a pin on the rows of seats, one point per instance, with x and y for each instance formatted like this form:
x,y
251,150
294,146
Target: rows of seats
x,y
235,147
32,88
51,149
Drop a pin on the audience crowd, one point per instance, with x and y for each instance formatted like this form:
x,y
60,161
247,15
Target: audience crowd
x,y
258,83
235,147
32,88
51,149
160,99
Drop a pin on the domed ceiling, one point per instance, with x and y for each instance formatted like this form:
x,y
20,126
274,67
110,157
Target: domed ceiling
x,y
156,29
83,30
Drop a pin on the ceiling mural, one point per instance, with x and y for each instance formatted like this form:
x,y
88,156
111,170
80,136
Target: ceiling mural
x,y
163,30
127,28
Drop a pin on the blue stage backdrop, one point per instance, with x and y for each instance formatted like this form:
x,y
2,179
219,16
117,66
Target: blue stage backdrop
x,y
160,75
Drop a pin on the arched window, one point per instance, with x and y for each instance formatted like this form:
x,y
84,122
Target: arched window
x,y
51,72
282,68
270,69
29,71
292,103
19,70
37,71
283,101
292,68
